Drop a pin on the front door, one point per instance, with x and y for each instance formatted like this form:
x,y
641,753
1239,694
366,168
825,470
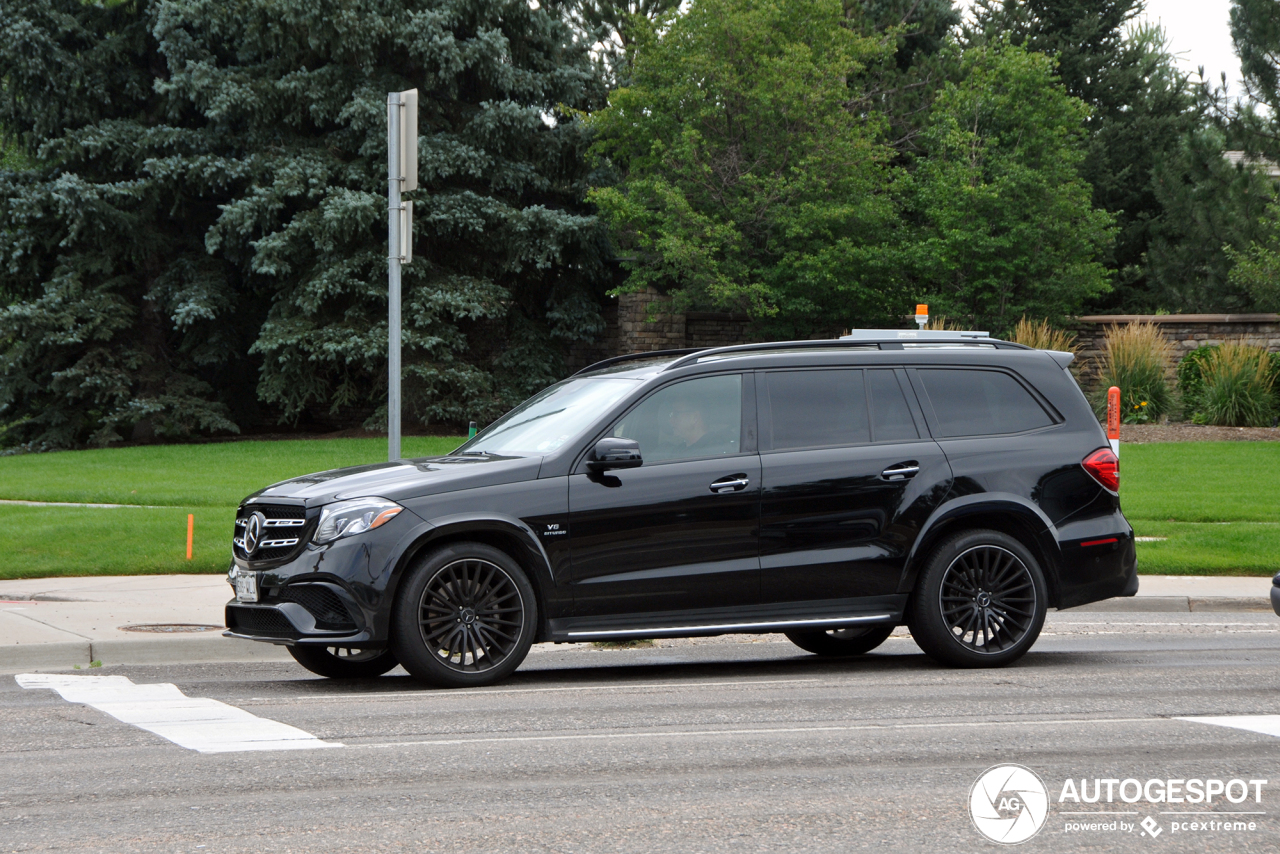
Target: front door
x,y
679,532
847,482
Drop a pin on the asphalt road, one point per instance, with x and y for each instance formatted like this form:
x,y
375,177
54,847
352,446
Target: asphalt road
x,y
726,744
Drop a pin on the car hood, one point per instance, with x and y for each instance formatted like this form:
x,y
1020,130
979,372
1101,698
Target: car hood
x,y
402,480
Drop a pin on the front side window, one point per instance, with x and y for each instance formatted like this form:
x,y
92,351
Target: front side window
x,y
686,420
550,418
815,409
973,402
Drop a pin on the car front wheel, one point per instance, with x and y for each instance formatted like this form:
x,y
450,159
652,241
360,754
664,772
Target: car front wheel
x,y
465,617
980,601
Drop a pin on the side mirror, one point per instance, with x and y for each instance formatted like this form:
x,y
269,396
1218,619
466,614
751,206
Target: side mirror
x,y
612,453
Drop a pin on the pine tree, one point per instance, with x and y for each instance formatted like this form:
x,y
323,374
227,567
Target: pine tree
x,y
205,235
903,89
1141,109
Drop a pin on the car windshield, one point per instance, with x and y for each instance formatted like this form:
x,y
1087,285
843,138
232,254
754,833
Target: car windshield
x,y
550,418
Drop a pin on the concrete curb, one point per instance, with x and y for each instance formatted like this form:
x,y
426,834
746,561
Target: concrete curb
x,y
163,650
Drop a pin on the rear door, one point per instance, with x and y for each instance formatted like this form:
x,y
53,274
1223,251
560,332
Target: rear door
x,y
849,476
679,532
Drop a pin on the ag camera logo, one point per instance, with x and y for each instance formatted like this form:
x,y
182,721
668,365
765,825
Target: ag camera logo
x,y
1009,804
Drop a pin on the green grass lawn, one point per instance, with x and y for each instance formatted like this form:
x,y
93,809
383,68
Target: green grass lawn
x,y
170,481
213,475
38,542
1184,490
1201,481
1177,491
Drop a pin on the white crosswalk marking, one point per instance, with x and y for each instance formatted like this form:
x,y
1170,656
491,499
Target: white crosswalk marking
x,y
1263,724
195,723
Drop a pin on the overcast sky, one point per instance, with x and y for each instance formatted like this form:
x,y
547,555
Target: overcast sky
x,y
1199,33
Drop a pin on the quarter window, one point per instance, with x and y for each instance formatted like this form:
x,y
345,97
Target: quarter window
x,y
971,402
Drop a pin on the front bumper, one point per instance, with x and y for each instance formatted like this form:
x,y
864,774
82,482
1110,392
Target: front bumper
x,y
290,623
1275,594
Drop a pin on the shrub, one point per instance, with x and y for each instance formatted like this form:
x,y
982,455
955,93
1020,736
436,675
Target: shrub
x,y
1191,381
1134,358
1191,378
1042,336
1237,386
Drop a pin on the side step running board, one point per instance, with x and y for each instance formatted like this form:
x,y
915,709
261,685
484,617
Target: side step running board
x,y
781,625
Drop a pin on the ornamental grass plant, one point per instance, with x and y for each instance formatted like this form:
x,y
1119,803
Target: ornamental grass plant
x,y
1042,336
1236,388
1135,358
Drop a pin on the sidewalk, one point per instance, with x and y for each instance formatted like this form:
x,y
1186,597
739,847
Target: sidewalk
x,y
56,623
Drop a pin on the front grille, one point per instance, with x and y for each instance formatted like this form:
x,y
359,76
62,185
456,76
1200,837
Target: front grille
x,y
266,622
323,604
283,535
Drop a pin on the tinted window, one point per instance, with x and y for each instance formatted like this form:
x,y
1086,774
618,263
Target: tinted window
x,y
695,418
551,417
813,409
890,418
978,403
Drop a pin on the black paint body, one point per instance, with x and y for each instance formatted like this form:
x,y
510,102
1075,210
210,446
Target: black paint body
x,y
817,533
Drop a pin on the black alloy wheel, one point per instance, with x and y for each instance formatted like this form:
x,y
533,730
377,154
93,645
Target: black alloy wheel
x,y
855,640
980,602
465,618
339,662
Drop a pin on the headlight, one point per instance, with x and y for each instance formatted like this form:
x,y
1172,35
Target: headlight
x,y
348,518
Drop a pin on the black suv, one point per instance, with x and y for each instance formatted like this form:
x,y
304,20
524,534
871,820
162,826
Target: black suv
x,y
829,490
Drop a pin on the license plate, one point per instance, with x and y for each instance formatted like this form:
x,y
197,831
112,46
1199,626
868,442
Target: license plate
x,y
246,587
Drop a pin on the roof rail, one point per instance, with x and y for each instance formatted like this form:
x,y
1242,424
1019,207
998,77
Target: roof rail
x,y
763,345
645,355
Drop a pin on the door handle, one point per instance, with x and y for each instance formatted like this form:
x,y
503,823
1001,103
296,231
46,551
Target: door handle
x,y
902,471
730,483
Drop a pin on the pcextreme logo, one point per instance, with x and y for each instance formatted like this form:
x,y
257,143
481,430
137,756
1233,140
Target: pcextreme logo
x,y
1009,804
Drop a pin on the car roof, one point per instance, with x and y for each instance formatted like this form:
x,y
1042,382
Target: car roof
x,y
650,364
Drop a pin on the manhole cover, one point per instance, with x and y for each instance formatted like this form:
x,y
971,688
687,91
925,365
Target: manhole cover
x,y
171,628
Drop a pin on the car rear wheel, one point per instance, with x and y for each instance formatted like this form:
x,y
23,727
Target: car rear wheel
x,y
342,663
465,617
980,601
835,642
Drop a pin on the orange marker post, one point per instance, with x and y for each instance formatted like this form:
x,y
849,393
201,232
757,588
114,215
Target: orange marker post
x,y
1113,419
191,530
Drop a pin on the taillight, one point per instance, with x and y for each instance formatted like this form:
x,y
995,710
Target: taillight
x,y
1104,467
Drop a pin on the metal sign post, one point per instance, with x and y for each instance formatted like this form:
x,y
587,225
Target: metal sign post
x,y
402,176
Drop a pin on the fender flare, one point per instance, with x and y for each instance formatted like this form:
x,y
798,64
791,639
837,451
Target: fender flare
x,y
422,536
1038,525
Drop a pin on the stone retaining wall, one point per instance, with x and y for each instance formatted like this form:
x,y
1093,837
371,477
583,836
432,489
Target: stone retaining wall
x,y
1185,331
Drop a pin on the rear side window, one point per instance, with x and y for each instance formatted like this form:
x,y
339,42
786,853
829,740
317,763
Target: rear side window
x,y
891,420
815,409
972,402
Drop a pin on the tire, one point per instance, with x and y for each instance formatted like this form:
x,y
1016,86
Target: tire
x,y
342,663
465,617
980,601
855,640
